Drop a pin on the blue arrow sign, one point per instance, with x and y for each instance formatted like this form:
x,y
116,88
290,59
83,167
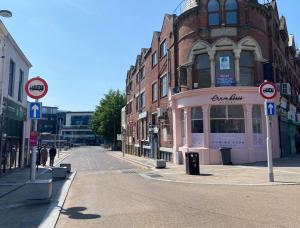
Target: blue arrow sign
x,y
270,108
35,109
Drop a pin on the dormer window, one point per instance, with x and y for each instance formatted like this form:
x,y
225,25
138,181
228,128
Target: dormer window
x,y
231,12
213,12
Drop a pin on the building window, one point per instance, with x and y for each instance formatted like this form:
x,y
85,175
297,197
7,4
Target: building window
x,y
143,100
197,120
20,89
227,119
163,49
154,92
225,71
213,12
247,68
231,12
163,86
11,82
137,106
256,119
202,77
154,59
182,127
142,73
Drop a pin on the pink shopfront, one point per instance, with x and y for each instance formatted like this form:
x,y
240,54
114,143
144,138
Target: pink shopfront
x,y
205,120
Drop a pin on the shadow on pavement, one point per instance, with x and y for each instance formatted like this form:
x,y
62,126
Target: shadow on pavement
x,y
293,161
76,213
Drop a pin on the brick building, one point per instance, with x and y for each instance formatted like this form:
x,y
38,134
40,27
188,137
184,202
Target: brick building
x,y
196,87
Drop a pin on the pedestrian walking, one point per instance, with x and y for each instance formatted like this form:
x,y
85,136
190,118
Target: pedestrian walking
x,y
38,158
297,141
44,155
52,153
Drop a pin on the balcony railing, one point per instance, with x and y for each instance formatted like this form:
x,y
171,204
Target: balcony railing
x,y
185,5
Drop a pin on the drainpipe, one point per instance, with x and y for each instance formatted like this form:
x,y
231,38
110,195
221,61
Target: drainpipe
x,y
1,98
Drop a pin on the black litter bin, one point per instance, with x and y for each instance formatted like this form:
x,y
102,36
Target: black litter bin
x,y
226,155
192,163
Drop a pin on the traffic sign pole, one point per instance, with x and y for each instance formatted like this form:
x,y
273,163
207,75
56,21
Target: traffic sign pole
x,y
34,151
268,91
269,148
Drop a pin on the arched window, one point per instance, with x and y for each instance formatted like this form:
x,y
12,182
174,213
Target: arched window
x,y
231,12
225,69
202,72
247,68
213,12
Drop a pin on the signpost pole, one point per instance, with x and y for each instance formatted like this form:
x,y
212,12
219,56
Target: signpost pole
x,y
34,151
269,148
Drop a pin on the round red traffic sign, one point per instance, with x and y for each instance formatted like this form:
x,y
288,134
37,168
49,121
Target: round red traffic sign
x,y
36,88
268,90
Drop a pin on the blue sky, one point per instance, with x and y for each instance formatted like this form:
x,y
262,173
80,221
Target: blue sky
x,y
83,48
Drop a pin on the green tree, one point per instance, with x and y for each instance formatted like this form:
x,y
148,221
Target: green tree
x,y
106,120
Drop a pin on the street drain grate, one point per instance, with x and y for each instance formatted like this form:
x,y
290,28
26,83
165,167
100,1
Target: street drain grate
x,y
129,172
153,175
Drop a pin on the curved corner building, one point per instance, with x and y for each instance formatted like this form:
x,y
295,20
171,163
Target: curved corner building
x,y
196,87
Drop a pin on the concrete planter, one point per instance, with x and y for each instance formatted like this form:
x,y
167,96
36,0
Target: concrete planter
x,y
160,164
39,190
66,165
59,172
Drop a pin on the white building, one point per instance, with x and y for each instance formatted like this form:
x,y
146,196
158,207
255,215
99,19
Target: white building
x,y
14,71
76,128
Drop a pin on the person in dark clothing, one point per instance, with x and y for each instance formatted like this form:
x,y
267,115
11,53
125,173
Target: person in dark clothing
x,y
38,158
297,141
52,153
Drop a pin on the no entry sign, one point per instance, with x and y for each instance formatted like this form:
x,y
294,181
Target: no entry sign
x,y
36,88
268,90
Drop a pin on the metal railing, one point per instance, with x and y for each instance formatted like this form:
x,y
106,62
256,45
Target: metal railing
x,y
184,5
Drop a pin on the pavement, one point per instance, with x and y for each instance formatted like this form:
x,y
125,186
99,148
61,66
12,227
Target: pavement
x,y
17,211
111,192
286,172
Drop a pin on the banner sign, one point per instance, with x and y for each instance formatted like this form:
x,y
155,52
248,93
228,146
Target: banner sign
x,y
224,79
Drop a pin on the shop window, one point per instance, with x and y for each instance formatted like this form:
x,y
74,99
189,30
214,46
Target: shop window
x,y
231,12
227,119
225,69
256,119
182,127
202,77
247,69
163,86
197,120
213,12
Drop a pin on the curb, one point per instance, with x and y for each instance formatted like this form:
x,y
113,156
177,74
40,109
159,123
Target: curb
x,y
131,160
52,215
274,184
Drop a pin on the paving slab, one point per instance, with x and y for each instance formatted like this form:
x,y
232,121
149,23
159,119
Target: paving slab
x,y
286,172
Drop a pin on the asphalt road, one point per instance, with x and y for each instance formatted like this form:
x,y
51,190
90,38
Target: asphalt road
x,y
108,192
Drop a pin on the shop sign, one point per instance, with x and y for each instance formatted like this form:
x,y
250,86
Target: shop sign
x,y
33,139
224,79
232,98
